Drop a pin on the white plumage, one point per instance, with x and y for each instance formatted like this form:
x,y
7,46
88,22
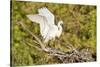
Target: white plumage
x,y
48,29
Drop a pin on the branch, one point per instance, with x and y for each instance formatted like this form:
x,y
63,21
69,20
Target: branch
x,y
46,49
33,35
63,56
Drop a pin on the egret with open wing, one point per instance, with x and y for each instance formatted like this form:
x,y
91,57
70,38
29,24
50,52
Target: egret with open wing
x,y
48,29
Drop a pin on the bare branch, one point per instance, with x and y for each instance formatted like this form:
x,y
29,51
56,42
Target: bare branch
x,y
46,49
55,52
33,35
34,46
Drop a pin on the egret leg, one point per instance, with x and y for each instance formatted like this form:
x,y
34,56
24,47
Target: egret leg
x,y
57,44
48,44
51,43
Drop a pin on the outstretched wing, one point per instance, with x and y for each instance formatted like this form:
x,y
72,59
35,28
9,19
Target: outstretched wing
x,y
36,18
47,14
42,21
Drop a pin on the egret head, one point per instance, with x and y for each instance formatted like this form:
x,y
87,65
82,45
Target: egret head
x,y
60,23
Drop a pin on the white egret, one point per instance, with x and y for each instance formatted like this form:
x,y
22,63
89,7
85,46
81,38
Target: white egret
x,y
48,29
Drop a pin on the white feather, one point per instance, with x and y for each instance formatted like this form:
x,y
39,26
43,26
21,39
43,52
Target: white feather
x,y
48,29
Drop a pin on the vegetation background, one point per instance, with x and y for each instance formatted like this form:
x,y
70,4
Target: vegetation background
x,y
79,30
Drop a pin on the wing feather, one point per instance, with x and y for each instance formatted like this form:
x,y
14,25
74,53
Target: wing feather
x,y
47,14
44,27
36,18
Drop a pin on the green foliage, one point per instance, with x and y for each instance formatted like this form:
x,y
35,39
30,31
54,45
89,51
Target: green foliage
x,y
79,30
